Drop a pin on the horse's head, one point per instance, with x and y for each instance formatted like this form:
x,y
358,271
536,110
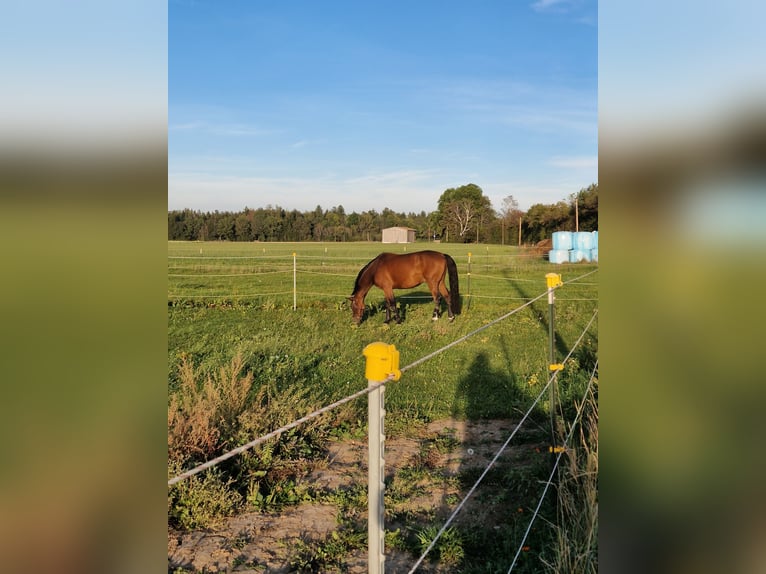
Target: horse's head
x,y
357,307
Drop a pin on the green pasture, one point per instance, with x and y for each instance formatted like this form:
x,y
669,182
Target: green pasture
x,y
226,298
288,320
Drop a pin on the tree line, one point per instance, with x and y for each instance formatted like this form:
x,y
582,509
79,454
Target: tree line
x,y
463,214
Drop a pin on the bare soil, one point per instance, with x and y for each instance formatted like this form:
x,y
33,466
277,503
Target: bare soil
x,y
265,543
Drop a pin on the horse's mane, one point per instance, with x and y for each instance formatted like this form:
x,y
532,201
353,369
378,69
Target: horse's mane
x,y
362,272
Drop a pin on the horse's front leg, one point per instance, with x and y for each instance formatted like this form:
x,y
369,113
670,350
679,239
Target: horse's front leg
x,y
390,303
391,306
396,311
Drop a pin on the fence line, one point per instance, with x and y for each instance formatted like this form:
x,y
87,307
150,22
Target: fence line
x,y
229,274
500,451
226,256
272,434
478,258
229,296
340,296
518,280
555,466
576,279
304,271
323,410
325,273
507,278
468,295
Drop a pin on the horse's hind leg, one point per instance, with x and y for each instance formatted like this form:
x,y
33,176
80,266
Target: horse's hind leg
x,y
447,297
437,301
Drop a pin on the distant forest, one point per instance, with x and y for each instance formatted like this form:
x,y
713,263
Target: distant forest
x,y
464,215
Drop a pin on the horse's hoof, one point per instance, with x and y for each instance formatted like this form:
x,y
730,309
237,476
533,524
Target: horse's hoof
x,y
434,318
451,319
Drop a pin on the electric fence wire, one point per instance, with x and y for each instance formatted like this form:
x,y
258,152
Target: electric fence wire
x,y
499,452
323,410
553,472
274,433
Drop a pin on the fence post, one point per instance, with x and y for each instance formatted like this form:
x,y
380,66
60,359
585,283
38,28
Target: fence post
x,y
382,363
469,281
553,280
295,291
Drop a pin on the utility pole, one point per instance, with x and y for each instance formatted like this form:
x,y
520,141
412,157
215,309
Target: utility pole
x,y
577,216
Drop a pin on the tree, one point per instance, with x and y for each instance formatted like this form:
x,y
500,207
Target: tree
x,y
543,220
242,228
585,202
462,208
463,213
368,225
432,221
510,216
224,227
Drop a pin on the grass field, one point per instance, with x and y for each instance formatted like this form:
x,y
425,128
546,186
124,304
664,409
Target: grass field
x,y
287,320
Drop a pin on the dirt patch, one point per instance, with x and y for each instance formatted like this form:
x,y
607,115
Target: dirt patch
x,y
266,543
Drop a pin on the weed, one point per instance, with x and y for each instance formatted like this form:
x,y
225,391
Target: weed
x,y
449,548
327,554
201,502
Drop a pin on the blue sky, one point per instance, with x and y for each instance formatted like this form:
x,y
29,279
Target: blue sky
x,y
375,105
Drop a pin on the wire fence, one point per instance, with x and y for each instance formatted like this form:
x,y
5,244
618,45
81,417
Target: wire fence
x,y
549,482
529,301
281,276
500,451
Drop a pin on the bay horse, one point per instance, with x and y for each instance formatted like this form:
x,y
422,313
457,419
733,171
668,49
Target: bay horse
x,y
389,271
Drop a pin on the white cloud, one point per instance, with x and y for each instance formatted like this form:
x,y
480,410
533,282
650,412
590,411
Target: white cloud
x,y
223,129
402,191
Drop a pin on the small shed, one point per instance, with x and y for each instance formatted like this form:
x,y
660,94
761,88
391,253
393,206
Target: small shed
x,y
398,235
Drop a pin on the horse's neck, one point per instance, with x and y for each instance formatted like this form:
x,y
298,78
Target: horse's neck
x,y
366,284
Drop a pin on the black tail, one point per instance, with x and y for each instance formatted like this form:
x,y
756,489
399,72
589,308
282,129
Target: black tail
x,y
454,287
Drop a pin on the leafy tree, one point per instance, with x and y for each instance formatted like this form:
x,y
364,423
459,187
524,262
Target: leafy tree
x,y
368,225
543,220
587,207
461,210
389,218
224,226
242,228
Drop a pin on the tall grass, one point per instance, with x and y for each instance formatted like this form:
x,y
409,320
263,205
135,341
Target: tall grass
x,y
212,413
576,528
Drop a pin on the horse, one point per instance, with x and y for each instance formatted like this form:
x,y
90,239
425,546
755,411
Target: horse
x,y
389,271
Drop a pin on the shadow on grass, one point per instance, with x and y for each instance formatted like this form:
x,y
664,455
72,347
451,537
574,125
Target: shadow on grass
x,y
486,534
